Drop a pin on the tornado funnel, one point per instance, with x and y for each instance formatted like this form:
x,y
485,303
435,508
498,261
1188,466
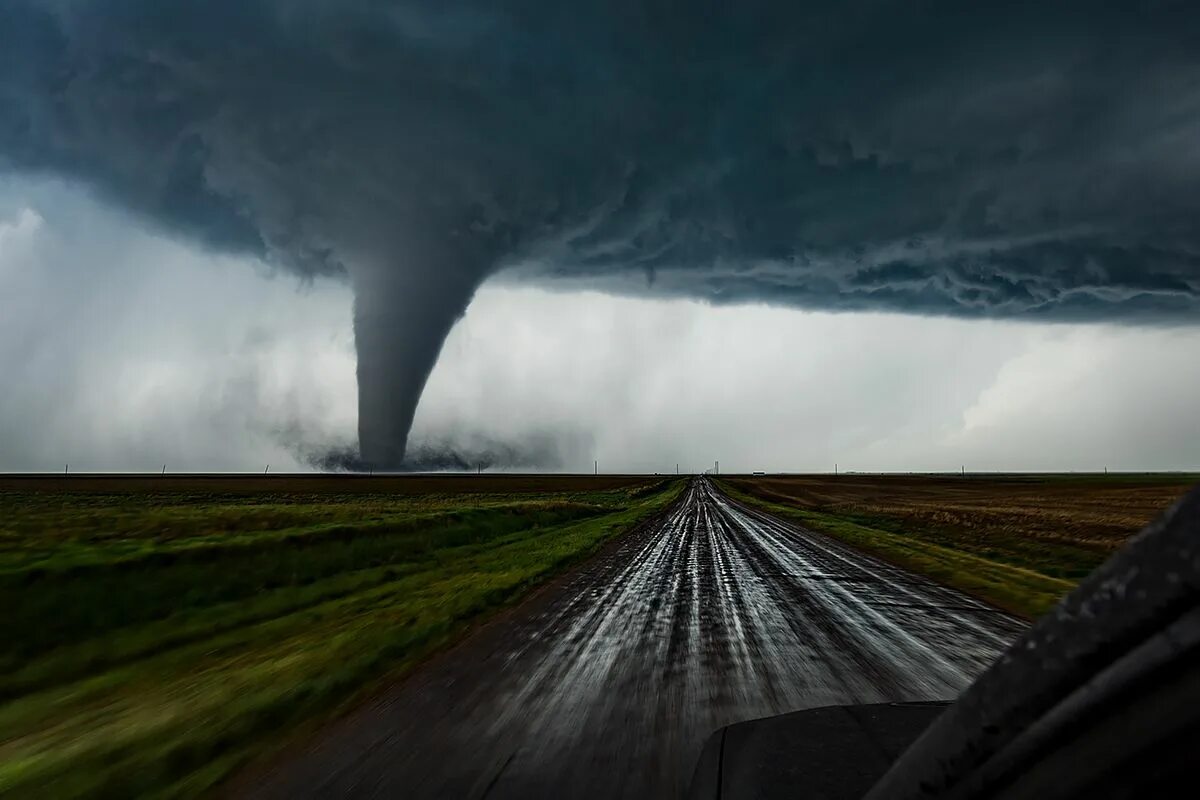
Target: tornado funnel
x,y
401,319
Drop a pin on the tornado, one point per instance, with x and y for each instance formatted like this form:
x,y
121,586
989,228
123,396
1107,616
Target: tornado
x,y
402,316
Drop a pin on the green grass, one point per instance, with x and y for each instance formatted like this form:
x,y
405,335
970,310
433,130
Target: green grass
x,y
1000,573
154,644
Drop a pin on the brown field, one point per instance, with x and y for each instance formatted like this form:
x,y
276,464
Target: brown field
x,y
1034,535
493,483
1090,511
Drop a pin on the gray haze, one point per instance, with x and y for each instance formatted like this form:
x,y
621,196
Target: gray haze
x,y
990,159
123,350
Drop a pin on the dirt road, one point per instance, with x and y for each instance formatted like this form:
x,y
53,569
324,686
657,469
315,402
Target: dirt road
x,y
608,684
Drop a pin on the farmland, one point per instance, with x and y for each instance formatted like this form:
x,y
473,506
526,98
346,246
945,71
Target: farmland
x,y
160,631
1018,542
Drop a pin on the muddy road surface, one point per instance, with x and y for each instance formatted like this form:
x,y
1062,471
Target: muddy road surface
x,y
608,683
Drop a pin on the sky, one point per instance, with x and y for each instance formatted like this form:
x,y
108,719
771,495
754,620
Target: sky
x,y
886,179
125,349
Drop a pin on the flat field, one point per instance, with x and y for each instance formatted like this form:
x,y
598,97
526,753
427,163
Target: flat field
x,y
1017,541
159,631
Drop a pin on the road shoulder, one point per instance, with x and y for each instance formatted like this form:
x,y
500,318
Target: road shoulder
x,y
1022,592
331,746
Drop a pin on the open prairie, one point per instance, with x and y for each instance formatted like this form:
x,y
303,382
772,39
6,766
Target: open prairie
x,y
162,631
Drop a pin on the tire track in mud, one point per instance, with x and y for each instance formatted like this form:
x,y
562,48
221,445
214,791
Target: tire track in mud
x,y
609,686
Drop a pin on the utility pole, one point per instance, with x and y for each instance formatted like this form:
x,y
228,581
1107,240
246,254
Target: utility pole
x,y
596,467
964,470
268,469
835,469
66,468
716,468
164,472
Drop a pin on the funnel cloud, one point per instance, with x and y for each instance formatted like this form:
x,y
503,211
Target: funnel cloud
x,y
991,159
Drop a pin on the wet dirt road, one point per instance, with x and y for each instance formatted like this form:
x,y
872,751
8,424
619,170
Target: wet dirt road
x,y
607,684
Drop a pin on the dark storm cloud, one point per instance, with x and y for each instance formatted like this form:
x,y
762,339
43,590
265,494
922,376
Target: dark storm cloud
x,y
981,159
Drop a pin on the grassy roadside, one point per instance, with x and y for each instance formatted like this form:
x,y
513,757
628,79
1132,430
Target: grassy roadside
x,y
996,580
154,646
